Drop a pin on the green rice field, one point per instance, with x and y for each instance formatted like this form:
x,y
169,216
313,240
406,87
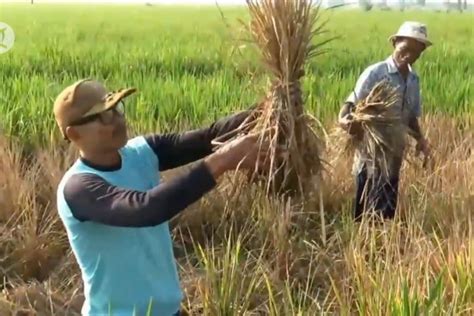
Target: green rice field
x,y
191,65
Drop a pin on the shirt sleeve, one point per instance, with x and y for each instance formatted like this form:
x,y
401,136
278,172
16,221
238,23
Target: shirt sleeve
x,y
174,150
417,106
92,198
364,85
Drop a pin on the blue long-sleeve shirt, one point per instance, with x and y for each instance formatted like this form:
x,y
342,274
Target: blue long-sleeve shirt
x,y
116,218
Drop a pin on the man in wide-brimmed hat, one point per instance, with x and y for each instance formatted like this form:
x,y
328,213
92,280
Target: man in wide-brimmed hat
x,y
115,208
409,43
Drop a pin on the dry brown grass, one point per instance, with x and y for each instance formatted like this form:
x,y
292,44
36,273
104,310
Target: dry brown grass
x,y
384,133
33,243
255,255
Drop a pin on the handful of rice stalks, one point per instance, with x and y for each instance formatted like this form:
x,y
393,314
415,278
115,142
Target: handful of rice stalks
x,y
384,134
283,31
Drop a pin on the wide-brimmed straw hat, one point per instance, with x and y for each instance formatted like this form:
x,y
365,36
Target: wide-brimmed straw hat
x,y
415,30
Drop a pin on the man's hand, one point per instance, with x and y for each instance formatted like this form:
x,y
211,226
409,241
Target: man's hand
x,y
423,146
351,126
247,152
346,120
294,91
296,95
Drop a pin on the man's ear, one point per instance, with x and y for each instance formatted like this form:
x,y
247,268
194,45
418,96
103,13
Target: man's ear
x,y
72,133
394,42
397,40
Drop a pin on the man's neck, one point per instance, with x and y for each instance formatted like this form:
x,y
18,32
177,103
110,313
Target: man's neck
x,y
108,160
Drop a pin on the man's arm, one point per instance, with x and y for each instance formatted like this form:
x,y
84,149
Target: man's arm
x,y
422,144
413,123
174,150
415,129
91,198
346,109
364,84
346,120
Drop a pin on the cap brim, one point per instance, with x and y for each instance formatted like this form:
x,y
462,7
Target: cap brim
x,y
421,40
110,100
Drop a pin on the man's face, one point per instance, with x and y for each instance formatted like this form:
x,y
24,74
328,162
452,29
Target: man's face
x,y
102,132
408,50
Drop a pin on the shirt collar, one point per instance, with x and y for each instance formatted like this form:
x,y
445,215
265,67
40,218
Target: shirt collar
x,y
95,166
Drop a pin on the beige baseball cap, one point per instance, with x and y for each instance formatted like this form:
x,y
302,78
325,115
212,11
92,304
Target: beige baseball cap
x,y
84,98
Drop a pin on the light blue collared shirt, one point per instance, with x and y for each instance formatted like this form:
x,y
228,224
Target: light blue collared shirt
x,y
408,101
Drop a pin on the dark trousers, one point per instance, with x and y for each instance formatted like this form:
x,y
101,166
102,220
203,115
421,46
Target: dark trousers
x,y
377,194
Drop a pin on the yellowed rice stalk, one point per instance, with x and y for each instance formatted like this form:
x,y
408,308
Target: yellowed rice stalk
x,y
384,133
283,31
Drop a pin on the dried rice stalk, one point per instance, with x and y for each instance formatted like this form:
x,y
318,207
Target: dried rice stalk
x,y
283,31
384,133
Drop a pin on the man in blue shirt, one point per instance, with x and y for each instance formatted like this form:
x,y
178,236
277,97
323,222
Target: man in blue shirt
x,y
116,210
409,43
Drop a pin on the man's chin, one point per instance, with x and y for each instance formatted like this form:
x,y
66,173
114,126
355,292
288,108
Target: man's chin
x,y
124,142
121,141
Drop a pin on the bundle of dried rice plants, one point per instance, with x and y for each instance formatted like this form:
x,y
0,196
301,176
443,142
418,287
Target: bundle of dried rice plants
x,y
383,140
283,31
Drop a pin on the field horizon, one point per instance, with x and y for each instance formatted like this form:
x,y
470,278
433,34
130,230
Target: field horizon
x,y
239,251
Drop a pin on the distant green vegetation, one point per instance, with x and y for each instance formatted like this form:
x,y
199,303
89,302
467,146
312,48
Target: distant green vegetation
x,y
187,67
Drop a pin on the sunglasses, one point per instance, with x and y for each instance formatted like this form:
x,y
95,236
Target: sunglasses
x,y
106,117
